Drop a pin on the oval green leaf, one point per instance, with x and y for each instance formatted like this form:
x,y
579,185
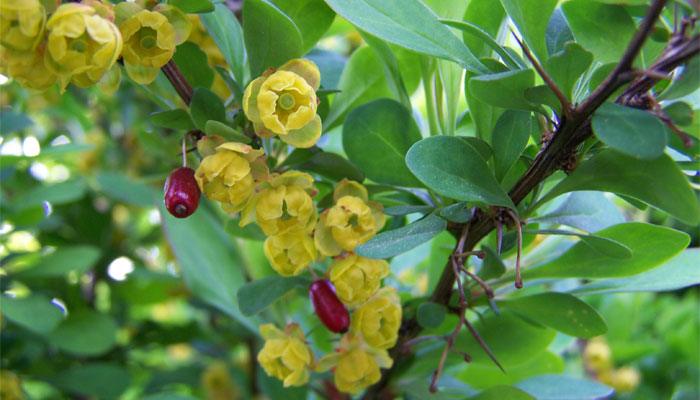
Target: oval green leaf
x,y
651,245
509,138
257,295
603,245
332,166
62,261
376,137
219,128
173,119
34,312
101,380
271,37
410,24
224,28
205,106
431,315
629,130
390,243
564,387
452,167
85,333
659,183
560,311
504,89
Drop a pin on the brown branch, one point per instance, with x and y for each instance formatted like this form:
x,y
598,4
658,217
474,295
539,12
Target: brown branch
x,y
568,135
179,82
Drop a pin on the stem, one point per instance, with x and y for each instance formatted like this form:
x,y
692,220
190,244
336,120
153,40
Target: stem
x,y
484,285
518,279
184,152
178,80
429,90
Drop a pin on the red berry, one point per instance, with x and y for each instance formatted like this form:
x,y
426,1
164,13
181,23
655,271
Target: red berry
x,y
181,192
330,310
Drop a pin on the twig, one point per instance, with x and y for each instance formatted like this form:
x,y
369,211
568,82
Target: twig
x,y
178,80
483,344
519,229
565,104
484,285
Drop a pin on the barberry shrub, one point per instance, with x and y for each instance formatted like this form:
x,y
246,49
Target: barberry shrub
x,y
399,199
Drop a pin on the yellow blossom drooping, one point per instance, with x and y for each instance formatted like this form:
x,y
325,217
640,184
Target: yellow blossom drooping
x,y
81,46
21,24
283,102
357,278
217,382
285,355
228,176
289,254
283,204
355,366
378,320
150,38
27,67
350,222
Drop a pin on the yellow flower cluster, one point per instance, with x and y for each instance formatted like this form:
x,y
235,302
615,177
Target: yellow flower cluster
x,y
282,103
598,358
80,43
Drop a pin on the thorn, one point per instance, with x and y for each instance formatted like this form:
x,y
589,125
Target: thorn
x,y
494,307
565,105
499,237
518,279
483,344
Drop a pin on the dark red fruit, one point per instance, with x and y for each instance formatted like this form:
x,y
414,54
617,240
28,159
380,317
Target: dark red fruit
x,y
330,310
181,192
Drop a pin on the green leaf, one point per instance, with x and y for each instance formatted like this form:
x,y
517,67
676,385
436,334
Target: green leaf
x,y
409,24
209,259
629,130
376,137
101,380
502,392
512,340
602,29
332,166
55,194
250,231
34,312
224,28
124,189
205,106
212,127
362,81
452,167
603,245
62,261
542,94
458,212
564,387
392,74
531,17
174,119
651,245
471,30
192,61
504,89
257,295
312,17
560,311
431,315
567,66
558,33
510,136
492,266
193,6
405,210
390,243
11,122
486,376
487,15
588,211
679,272
85,333
168,396
659,183
271,37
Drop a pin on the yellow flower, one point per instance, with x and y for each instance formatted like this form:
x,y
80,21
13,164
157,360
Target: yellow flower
x,y
228,176
290,254
623,379
285,354
27,68
597,354
350,222
82,45
357,278
21,24
379,319
356,366
283,204
10,388
283,103
150,38
217,381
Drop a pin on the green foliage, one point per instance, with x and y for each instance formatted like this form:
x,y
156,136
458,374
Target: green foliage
x,y
105,295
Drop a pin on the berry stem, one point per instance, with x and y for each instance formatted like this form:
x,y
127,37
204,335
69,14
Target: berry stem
x,y
184,151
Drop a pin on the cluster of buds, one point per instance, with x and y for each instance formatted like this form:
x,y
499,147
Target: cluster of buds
x,y
598,360
44,42
349,300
